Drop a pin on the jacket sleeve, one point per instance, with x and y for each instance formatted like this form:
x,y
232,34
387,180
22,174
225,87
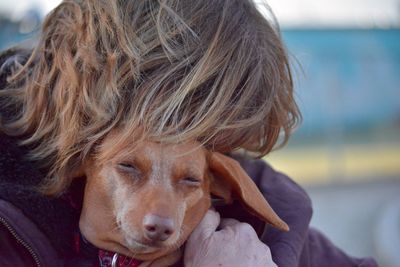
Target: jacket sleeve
x,y
21,242
13,253
319,251
301,246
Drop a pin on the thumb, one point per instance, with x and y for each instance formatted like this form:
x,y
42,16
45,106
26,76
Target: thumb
x,y
206,227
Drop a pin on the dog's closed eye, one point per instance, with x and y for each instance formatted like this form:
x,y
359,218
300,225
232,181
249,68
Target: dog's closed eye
x,y
128,168
191,181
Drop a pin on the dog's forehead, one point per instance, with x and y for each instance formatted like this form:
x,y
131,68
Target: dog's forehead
x,y
192,151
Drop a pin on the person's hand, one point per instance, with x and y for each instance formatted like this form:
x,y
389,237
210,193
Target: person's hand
x,y
235,244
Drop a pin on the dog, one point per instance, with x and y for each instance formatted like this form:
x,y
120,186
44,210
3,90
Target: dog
x,y
144,203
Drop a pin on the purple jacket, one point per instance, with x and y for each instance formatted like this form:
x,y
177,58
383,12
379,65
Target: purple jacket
x,y
39,231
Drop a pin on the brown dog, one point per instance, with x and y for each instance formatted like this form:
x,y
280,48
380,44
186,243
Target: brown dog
x,y
145,204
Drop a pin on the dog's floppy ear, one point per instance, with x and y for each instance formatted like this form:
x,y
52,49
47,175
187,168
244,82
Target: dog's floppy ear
x,y
232,181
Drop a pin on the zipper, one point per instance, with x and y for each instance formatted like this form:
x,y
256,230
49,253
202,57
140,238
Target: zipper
x,y
21,241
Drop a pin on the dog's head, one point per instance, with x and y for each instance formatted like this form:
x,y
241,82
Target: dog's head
x,y
145,204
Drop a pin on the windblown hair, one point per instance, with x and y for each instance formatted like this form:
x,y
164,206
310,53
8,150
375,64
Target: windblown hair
x,y
214,71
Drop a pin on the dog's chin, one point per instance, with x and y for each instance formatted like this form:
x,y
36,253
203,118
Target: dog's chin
x,y
147,251
139,247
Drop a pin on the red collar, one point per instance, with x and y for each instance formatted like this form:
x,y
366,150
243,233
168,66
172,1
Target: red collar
x,y
111,259
103,258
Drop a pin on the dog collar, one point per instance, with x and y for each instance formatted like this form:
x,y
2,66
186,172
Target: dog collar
x,y
100,257
112,259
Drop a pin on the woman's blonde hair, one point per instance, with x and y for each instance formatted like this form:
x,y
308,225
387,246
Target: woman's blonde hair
x,y
214,71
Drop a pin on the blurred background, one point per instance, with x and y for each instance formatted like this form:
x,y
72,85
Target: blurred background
x,y
346,62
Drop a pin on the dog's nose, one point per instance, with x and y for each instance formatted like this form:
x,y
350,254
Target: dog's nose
x,y
158,228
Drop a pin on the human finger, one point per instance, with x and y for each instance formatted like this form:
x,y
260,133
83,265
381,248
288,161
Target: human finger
x,y
245,229
207,226
226,222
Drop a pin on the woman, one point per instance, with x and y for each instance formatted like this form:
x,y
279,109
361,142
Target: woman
x,y
211,71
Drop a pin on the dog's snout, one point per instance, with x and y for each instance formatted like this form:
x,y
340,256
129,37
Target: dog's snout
x,y
158,228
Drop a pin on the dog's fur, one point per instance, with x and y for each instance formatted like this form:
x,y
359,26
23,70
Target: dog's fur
x,y
170,181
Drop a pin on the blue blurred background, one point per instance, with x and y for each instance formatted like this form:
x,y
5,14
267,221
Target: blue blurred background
x,y
346,60
348,89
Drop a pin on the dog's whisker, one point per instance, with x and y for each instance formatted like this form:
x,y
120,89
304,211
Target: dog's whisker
x,y
116,228
176,245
